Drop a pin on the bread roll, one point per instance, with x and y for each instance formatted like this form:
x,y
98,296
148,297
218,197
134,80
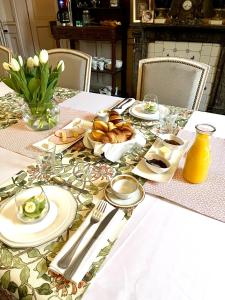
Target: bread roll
x,y
100,125
97,135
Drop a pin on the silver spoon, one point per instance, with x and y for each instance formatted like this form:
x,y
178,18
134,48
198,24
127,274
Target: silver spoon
x,y
60,180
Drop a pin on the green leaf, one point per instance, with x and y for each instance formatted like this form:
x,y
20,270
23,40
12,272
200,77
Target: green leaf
x,y
33,84
44,289
33,253
6,258
22,290
69,297
28,297
18,263
12,287
5,280
46,277
41,267
55,247
24,275
20,177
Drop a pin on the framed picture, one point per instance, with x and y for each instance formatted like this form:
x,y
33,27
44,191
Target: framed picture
x,y
138,7
148,16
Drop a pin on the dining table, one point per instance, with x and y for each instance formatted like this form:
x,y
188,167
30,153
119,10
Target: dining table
x,y
161,251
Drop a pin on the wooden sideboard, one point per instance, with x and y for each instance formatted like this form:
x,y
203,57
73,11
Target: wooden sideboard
x,y
96,33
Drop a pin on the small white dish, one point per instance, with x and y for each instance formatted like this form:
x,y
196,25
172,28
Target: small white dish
x,y
124,186
47,144
156,163
61,214
172,141
143,171
134,200
138,111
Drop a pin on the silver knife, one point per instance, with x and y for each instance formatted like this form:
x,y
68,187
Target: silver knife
x,y
120,105
77,261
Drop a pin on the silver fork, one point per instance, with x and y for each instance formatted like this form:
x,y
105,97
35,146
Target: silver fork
x,y
95,218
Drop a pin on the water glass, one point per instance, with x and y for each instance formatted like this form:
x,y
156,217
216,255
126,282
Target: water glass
x,y
150,102
168,122
46,162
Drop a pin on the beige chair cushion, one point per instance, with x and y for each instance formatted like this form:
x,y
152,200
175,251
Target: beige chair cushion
x,y
175,83
77,69
5,56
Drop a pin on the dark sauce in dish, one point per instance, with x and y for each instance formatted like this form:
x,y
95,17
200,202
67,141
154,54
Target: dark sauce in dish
x,y
172,142
156,162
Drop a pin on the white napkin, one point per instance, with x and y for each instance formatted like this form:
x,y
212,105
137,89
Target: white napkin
x,y
125,106
113,152
93,251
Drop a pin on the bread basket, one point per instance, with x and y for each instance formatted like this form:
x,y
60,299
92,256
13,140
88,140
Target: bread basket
x,y
113,152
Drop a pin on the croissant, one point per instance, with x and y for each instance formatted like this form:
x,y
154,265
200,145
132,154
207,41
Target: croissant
x,y
114,131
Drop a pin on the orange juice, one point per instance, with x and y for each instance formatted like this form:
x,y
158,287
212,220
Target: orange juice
x,y
198,157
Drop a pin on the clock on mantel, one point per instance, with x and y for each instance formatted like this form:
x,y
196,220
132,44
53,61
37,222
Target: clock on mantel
x,y
186,11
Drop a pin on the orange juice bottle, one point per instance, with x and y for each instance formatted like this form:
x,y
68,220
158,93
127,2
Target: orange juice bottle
x,y
198,157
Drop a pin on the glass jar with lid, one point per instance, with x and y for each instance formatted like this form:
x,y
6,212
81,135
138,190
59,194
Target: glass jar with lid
x,y
86,17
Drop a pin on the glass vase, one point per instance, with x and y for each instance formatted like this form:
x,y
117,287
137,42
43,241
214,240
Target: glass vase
x,y
41,117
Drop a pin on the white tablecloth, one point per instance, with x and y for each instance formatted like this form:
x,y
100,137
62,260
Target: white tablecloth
x,y
166,252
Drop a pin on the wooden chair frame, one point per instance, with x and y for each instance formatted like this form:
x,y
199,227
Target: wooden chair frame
x,y
83,55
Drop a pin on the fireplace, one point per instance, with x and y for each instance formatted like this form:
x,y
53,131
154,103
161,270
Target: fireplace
x,y
204,43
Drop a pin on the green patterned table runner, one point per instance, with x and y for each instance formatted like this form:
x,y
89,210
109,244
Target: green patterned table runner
x,y
24,272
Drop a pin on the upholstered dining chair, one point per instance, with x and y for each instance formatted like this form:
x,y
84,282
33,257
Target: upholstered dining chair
x,y
176,81
77,73
5,56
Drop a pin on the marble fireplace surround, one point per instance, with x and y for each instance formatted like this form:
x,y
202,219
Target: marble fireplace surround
x,y
204,43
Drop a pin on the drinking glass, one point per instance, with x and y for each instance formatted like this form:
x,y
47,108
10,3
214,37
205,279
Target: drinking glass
x,y
32,204
46,162
150,102
168,122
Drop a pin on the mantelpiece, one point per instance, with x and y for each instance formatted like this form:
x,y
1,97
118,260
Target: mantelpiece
x,y
143,34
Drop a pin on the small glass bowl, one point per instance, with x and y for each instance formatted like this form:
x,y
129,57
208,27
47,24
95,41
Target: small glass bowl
x,y
32,205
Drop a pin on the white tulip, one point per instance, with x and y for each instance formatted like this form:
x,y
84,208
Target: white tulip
x,y
43,57
14,65
30,62
20,60
61,65
6,66
36,60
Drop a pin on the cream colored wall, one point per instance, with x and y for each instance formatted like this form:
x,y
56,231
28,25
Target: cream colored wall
x,y
14,15
40,13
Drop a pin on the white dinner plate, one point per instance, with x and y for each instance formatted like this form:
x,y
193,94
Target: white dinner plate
x,y
15,233
134,200
137,111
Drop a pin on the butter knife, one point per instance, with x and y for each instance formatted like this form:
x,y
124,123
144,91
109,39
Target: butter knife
x,y
120,105
77,261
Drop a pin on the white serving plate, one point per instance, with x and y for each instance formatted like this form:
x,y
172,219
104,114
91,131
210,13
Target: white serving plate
x,y
138,112
143,171
47,145
15,233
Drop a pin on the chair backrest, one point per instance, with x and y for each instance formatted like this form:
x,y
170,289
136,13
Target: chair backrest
x,y
77,73
5,56
176,81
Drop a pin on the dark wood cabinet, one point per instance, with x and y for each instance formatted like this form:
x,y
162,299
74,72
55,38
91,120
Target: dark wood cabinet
x,y
96,33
